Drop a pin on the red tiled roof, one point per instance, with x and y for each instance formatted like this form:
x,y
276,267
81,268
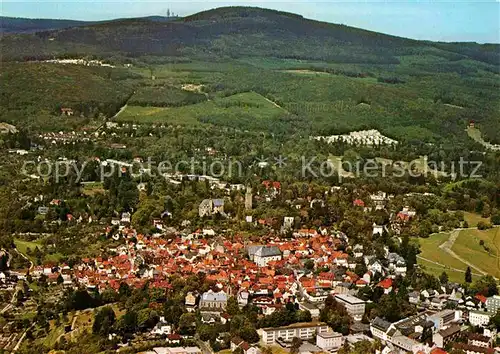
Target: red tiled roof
x,y
359,202
386,283
481,298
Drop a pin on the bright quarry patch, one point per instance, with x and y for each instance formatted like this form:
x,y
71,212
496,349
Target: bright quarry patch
x,y
365,137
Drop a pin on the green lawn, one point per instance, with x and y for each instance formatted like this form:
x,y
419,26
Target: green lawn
x,y
467,246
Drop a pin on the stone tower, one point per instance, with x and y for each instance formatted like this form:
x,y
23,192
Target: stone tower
x,y
248,198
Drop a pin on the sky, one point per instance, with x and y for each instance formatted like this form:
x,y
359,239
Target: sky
x,y
441,20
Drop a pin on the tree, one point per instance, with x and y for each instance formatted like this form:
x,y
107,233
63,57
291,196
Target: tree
x,y
147,318
19,296
486,286
345,349
309,264
104,320
295,345
481,225
60,279
249,333
495,320
427,335
238,350
186,323
468,275
303,316
232,307
206,332
124,290
360,269
443,278
172,312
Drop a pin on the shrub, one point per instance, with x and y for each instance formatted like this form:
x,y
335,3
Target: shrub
x,y
483,225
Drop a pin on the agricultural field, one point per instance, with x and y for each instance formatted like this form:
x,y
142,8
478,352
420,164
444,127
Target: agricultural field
x,y
481,248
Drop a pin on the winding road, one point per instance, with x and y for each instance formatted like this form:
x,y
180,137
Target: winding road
x,y
447,247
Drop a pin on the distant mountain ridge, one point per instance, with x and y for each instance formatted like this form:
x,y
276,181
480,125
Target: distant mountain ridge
x,y
32,25
232,32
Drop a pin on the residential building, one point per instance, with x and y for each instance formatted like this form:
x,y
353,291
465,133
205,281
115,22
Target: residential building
x,y
379,328
493,303
266,254
406,344
303,331
478,340
355,307
480,318
445,336
210,207
162,327
213,301
190,301
444,318
472,349
329,340
177,350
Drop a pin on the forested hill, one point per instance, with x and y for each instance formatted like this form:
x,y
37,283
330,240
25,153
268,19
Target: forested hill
x,y
235,32
28,25
31,25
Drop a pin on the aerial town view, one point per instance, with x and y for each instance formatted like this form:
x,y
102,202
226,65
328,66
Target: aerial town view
x,y
224,177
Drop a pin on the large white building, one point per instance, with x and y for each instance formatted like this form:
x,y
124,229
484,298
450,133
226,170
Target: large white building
x,y
266,254
493,303
480,318
213,301
355,307
329,340
300,330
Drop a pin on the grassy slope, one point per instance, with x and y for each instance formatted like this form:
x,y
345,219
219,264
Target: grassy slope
x,y
472,219
430,250
467,246
453,276
249,104
22,246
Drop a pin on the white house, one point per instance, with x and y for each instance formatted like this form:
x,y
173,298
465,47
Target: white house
x,y
266,254
329,340
162,327
480,318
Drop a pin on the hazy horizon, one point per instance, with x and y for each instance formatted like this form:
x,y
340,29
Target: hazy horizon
x,y
472,21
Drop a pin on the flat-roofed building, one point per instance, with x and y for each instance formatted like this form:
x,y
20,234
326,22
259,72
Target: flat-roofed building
x,y
303,331
329,340
444,318
493,303
355,307
480,318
